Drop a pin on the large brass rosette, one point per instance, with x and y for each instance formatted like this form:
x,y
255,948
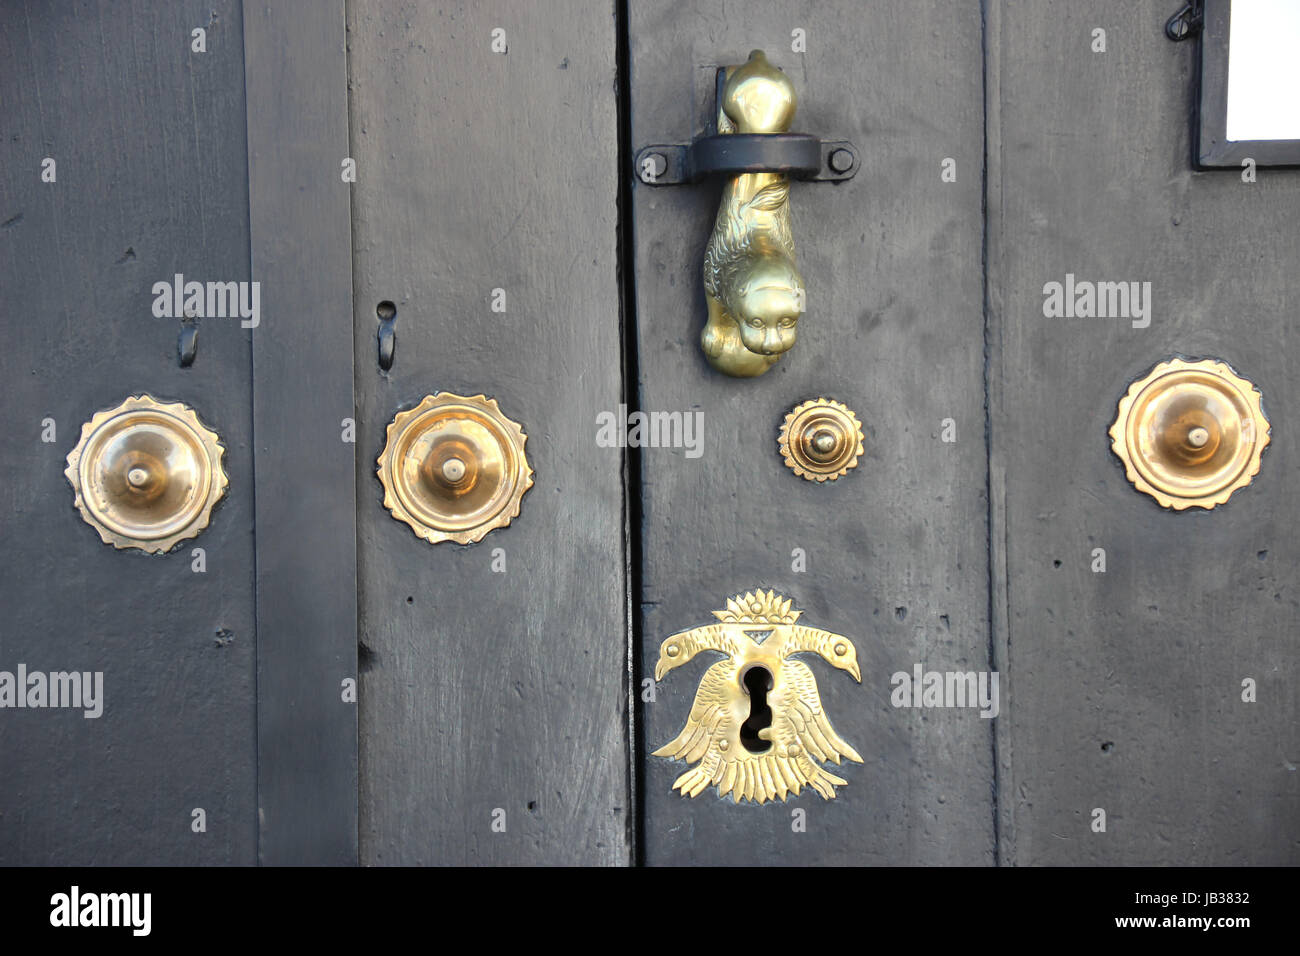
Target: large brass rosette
x,y
1190,433
146,474
454,468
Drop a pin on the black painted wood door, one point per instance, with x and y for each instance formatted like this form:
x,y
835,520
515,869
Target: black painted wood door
x,y
103,196
894,555
494,718
332,689
177,143
1147,709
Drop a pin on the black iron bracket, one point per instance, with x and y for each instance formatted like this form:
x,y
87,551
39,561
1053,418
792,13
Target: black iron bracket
x,y
797,155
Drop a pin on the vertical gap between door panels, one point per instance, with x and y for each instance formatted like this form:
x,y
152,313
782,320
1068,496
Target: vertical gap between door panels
x,y
258,643
993,517
632,515
360,486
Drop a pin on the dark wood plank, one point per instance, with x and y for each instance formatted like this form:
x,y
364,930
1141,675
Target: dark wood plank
x,y
1126,688
479,170
897,556
302,362
148,138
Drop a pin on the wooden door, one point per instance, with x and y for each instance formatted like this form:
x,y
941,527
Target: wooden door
x,y
458,181
187,144
1130,630
894,554
494,695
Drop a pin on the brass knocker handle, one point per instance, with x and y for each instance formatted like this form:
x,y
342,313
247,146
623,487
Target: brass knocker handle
x,y
754,290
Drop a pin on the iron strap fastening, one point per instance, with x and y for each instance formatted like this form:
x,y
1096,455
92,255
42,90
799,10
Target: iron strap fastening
x,y
797,155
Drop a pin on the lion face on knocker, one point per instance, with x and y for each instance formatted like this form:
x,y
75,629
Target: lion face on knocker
x,y
766,305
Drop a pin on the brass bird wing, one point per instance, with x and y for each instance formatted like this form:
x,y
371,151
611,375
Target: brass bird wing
x,y
711,736
801,719
800,731
712,722
800,734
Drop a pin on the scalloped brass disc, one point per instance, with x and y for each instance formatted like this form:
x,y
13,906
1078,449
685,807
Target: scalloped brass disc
x,y
454,468
821,440
147,474
1190,433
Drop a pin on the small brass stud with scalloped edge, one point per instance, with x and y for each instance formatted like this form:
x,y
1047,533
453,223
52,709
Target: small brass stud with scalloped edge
x,y
821,440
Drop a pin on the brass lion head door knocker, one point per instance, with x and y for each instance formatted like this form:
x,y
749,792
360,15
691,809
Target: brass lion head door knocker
x,y
753,288
757,729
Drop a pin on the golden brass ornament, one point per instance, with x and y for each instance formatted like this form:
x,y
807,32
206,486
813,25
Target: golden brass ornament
x,y
755,293
146,474
752,751
1190,433
454,468
821,440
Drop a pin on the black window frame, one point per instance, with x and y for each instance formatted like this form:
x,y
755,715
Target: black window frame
x,y
1214,149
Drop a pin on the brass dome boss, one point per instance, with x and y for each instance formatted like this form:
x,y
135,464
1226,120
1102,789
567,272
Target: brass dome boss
x,y
454,468
821,440
1190,433
146,474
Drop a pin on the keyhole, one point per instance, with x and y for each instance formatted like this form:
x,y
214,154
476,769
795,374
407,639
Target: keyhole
x,y
757,681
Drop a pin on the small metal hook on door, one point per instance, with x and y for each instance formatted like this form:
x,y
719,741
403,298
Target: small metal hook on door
x,y
1186,23
387,334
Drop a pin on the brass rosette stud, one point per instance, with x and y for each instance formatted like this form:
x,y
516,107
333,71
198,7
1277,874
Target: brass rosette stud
x,y
453,468
1190,433
821,440
147,474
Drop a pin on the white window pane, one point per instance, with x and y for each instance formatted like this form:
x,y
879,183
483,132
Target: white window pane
x,y
1264,70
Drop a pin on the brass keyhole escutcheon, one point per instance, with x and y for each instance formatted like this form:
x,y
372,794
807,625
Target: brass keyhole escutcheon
x,y
821,440
757,729
1190,433
146,474
454,468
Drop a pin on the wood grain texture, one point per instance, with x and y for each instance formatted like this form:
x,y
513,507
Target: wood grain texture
x,y
302,363
1125,687
148,138
897,556
476,171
